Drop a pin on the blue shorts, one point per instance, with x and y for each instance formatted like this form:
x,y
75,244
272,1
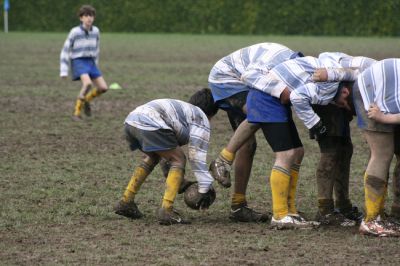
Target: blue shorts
x,y
222,91
84,65
264,108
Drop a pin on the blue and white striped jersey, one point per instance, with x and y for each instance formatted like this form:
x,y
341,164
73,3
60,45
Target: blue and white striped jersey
x,y
188,122
296,75
79,43
380,84
259,57
345,60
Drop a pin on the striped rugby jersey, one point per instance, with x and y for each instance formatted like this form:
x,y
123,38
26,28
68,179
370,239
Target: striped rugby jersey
x,y
79,43
380,84
190,125
296,75
259,57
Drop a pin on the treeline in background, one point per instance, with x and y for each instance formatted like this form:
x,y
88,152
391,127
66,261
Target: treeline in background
x,y
281,17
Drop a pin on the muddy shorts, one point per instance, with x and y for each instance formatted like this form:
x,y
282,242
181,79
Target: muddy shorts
x,y
234,108
150,141
363,121
84,65
397,139
337,120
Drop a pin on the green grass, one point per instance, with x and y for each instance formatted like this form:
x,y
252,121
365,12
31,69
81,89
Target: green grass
x,y
60,179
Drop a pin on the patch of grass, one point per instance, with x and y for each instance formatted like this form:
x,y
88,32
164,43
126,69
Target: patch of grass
x,y
59,179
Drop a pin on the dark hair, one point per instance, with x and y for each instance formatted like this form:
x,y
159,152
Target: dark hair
x,y
342,84
296,55
87,10
205,101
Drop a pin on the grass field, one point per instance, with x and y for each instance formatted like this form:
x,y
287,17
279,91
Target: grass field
x,y
60,179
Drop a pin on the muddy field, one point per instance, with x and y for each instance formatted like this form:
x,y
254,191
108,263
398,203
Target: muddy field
x,y
60,179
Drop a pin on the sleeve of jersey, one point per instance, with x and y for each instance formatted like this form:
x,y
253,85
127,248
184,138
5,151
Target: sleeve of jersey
x,y
302,99
97,50
64,56
263,81
198,146
342,74
362,62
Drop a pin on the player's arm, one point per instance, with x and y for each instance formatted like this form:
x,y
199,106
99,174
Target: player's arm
x,y
335,74
65,55
97,57
376,114
264,81
198,147
302,99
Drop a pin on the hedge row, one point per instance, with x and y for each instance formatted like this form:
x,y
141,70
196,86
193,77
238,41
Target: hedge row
x,y
300,17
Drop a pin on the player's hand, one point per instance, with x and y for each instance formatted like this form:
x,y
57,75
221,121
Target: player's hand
x,y
375,113
320,75
319,131
285,96
206,199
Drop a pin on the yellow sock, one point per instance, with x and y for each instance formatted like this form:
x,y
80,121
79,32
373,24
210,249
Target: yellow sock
x,y
294,176
279,180
174,179
374,196
227,155
238,198
78,106
93,93
382,206
137,179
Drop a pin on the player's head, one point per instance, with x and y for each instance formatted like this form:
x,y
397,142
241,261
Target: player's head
x,y
343,97
205,101
87,10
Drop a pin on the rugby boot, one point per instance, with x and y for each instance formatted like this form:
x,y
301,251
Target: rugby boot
x,y
87,110
292,222
242,213
220,171
352,213
378,227
129,210
334,219
77,118
170,216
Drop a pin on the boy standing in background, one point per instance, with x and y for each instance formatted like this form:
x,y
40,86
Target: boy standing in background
x,y
81,51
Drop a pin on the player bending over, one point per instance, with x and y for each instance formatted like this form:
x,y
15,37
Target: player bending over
x,y
158,129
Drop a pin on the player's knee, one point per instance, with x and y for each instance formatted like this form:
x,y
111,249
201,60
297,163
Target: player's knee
x,y
149,162
87,85
178,161
103,88
298,154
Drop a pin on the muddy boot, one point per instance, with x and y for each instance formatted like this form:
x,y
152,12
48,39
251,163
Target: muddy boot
x,y
292,222
334,219
87,110
351,213
220,171
129,210
242,213
379,227
77,118
169,216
